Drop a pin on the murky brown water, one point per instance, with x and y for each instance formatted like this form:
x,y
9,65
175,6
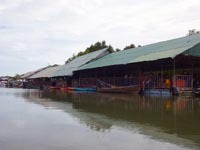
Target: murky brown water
x,y
33,120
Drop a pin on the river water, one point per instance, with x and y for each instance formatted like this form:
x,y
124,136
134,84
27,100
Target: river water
x,y
34,120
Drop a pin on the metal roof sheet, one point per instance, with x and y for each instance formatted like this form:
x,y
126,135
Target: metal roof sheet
x,y
46,73
67,69
161,50
28,74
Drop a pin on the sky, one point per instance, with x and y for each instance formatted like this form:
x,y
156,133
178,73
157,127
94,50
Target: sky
x,y
37,33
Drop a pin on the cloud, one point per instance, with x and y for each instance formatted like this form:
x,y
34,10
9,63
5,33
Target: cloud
x,y
36,33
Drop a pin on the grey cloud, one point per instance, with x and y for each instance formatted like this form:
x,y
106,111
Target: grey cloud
x,y
34,33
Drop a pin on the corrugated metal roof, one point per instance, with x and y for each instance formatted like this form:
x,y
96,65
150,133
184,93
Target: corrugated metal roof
x,y
161,50
67,69
28,74
194,51
46,73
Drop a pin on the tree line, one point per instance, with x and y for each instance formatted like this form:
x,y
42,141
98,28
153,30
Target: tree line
x,y
101,45
97,46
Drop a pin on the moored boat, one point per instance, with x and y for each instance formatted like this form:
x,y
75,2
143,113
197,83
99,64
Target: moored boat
x,y
197,90
108,88
70,88
120,89
156,91
64,89
54,88
85,89
78,88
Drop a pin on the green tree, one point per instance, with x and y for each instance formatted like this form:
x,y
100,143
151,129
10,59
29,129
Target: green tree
x,y
97,46
110,49
91,48
129,46
16,77
117,49
193,32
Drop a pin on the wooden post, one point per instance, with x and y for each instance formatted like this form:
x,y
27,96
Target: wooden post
x,y
79,79
162,77
174,72
96,77
192,74
114,77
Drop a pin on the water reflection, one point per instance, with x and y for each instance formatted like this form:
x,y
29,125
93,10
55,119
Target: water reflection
x,y
172,119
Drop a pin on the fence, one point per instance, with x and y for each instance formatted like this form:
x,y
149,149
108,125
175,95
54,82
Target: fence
x,y
183,81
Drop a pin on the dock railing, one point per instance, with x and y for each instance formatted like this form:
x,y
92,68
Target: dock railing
x,y
156,82
183,82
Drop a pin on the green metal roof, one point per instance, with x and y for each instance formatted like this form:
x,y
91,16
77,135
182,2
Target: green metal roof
x,y
67,69
166,49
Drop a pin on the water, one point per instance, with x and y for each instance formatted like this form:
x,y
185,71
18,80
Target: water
x,y
35,120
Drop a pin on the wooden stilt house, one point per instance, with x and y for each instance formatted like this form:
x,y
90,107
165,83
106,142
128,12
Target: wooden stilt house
x,y
165,65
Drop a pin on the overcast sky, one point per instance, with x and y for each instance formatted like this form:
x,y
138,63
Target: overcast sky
x,y
37,33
